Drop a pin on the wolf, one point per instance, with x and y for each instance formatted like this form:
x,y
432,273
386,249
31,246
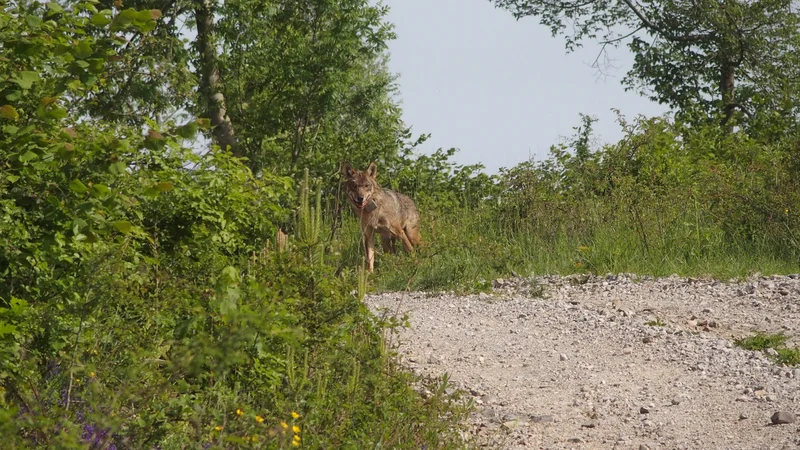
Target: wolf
x,y
393,215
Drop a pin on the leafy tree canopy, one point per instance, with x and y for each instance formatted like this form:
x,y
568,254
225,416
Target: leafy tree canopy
x,y
723,58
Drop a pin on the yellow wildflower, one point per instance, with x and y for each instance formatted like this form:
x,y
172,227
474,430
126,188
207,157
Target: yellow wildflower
x,y
295,415
284,425
218,427
254,439
92,374
259,419
295,428
239,412
296,443
297,438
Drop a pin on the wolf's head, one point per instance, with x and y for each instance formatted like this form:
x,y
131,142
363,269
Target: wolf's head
x,y
360,185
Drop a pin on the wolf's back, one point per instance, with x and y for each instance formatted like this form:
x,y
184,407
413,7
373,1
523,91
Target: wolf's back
x,y
399,206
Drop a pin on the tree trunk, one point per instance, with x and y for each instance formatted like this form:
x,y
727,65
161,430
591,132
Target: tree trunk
x,y
209,77
727,87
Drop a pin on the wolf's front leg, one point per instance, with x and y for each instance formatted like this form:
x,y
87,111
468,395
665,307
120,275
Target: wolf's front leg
x,y
369,247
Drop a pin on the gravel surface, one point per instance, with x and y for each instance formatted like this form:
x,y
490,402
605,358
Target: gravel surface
x,y
619,361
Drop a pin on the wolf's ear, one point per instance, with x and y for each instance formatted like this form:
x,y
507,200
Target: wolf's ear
x,y
372,170
347,170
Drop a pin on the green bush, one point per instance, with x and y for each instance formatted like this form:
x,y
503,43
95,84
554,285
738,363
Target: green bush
x,y
142,302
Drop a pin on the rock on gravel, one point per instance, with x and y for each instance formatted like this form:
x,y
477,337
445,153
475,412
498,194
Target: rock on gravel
x,y
610,362
782,417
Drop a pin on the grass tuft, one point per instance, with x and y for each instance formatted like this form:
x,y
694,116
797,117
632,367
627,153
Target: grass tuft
x,y
777,342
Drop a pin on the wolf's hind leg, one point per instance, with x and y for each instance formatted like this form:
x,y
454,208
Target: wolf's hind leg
x,y
387,241
413,235
406,242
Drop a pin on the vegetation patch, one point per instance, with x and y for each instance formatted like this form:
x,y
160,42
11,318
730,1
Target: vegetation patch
x,y
774,345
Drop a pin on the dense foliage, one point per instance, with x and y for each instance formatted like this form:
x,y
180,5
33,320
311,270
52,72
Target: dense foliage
x,y
144,302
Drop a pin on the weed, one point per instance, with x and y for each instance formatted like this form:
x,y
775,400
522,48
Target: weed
x,y
775,342
762,341
789,356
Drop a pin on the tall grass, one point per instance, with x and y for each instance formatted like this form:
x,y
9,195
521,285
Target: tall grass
x,y
465,251
664,200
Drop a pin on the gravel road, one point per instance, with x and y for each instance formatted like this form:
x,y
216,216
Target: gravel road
x,y
614,362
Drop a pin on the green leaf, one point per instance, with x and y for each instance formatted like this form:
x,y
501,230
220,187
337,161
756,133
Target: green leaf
x,y
144,15
39,165
158,188
83,50
164,186
123,19
54,8
151,192
26,78
118,168
10,129
12,178
96,65
14,96
123,226
57,113
102,18
75,84
231,273
187,131
27,156
78,187
33,21
8,112
147,26
100,190
18,305
77,225
6,328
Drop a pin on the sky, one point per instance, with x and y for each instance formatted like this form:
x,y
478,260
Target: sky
x,y
499,90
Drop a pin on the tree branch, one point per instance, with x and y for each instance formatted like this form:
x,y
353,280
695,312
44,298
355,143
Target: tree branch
x,y
620,38
650,25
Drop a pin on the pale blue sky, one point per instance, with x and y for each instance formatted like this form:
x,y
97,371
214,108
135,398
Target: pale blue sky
x,y
498,89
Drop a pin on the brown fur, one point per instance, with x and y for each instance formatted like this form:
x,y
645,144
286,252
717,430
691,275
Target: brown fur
x,y
394,216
